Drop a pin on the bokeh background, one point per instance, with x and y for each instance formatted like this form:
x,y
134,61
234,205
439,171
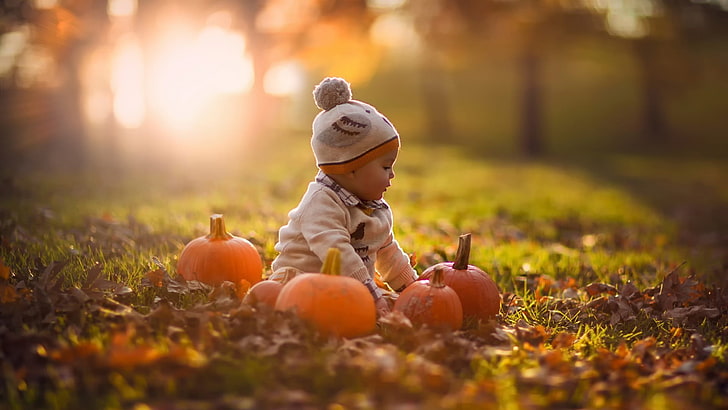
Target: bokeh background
x,y
144,84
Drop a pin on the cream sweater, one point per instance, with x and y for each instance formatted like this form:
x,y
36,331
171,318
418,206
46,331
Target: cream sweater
x,y
329,216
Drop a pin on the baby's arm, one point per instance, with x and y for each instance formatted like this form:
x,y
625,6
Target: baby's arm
x,y
327,229
323,226
394,265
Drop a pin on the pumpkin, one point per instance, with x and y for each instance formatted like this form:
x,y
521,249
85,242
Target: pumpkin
x,y
220,256
263,293
478,293
266,292
335,305
432,303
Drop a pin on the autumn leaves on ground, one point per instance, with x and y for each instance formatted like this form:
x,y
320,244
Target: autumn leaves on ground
x,y
599,310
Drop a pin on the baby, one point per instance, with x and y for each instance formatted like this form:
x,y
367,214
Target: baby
x,y
355,148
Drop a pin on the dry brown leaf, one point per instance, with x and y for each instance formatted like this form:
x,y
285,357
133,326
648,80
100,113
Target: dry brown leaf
x,y
594,289
4,270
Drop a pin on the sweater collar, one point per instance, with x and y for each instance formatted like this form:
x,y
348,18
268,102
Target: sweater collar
x,y
347,197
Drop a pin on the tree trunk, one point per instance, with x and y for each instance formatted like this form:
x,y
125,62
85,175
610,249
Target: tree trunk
x,y
531,132
68,143
654,127
436,100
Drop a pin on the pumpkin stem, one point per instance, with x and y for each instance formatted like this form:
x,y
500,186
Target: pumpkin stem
x,y
437,280
217,228
462,257
332,264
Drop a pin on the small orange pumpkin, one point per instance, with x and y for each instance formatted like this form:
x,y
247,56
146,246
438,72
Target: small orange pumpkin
x,y
335,305
432,303
220,256
478,293
266,292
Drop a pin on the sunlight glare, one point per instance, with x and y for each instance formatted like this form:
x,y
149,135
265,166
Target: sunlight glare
x,y
386,4
45,4
625,25
36,66
127,83
627,19
96,87
174,91
284,79
121,8
11,46
187,75
226,67
286,16
394,30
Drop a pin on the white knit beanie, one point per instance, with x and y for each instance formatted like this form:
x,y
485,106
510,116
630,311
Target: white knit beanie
x,y
348,133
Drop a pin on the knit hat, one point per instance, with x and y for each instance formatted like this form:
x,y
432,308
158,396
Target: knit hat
x,y
348,133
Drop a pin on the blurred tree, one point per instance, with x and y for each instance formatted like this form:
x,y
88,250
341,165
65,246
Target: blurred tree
x,y
449,26
439,25
659,33
653,31
336,41
327,36
332,37
664,61
62,31
531,27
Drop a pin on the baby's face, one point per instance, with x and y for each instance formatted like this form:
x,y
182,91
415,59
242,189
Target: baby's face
x,y
371,180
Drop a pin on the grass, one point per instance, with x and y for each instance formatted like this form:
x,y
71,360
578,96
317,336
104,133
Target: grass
x,y
539,229
550,218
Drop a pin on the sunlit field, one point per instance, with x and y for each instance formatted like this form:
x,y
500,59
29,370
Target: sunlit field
x,y
548,232
555,217
124,125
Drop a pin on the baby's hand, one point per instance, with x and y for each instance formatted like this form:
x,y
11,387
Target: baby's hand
x,y
382,306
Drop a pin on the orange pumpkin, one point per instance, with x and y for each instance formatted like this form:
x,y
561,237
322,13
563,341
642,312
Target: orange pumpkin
x,y
266,292
431,303
335,305
478,293
220,257
263,293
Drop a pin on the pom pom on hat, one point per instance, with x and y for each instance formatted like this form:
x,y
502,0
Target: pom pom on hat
x,y
331,92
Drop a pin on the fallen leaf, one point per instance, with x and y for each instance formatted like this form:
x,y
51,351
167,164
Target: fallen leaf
x,y
125,357
154,278
8,294
692,314
75,353
594,289
4,270
629,290
563,340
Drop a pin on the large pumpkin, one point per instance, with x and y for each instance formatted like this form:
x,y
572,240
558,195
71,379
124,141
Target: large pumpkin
x,y
432,303
478,293
335,305
220,256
